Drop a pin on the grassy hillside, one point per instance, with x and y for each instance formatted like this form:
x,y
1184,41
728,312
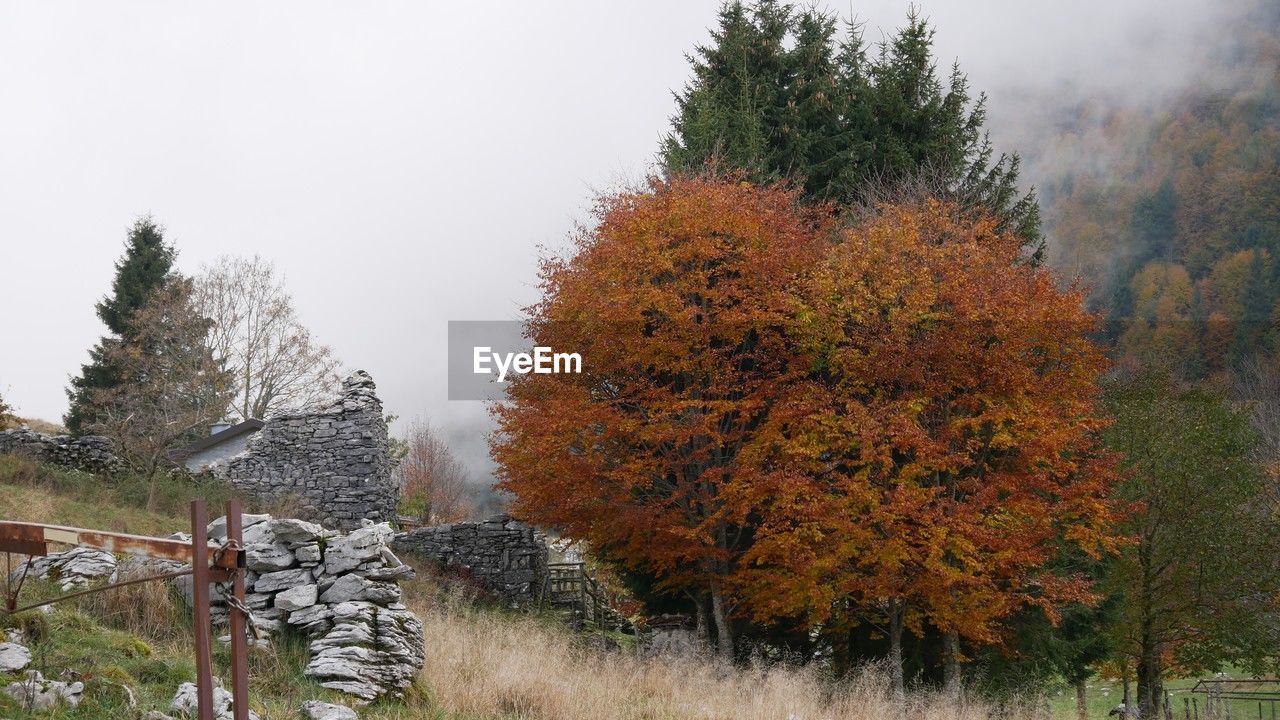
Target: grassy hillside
x,y
482,662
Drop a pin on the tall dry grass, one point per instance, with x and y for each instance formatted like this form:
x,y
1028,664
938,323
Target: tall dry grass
x,y
485,665
152,610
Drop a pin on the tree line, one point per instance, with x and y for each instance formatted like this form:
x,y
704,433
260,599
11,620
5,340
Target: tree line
x,y
226,344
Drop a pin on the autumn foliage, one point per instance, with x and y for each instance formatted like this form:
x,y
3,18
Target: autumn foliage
x,y
793,417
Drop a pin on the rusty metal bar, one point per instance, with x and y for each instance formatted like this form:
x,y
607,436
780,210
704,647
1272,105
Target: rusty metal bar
x,y
200,600
239,639
33,539
112,586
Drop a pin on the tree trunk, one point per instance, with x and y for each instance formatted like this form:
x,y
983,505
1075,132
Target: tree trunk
x,y
702,627
1149,681
1082,700
951,667
152,472
724,633
897,679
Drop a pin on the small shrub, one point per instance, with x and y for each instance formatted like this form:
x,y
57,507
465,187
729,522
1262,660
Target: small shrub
x,y
33,625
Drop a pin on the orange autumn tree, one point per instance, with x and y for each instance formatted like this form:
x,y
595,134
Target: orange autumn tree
x,y
782,416
944,448
679,302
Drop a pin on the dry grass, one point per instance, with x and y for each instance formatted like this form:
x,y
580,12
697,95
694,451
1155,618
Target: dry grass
x,y
42,426
151,610
482,664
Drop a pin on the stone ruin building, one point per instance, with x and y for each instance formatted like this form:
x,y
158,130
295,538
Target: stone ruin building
x,y
334,460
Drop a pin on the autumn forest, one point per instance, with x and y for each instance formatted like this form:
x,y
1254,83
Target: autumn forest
x,y
855,391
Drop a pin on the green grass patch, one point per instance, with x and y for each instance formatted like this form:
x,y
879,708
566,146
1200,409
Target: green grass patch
x,y
36,492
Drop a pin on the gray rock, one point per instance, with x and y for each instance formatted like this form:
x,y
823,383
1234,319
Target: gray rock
x,y
261,557
316,710
73,569
90,453
282,580
346,553
309,553
290,530
333,459
313,621
308,615
392,574
218,528
353,587
509,558
13,657
39,694
260,534
297,598
185,702
370,652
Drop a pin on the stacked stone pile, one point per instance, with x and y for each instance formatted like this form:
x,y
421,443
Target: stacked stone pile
x,y
91,453
334,461
508,557
339,590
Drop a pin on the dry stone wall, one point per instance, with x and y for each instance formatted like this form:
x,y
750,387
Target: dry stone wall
x,y
506,556
333,461
91,453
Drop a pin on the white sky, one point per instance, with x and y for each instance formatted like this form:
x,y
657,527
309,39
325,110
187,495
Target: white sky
x,y
402,162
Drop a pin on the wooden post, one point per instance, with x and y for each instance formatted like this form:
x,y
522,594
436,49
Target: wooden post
x,y
200,601
239,639
582,591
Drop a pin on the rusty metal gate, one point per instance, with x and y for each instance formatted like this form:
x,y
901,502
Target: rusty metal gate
x,y
209,562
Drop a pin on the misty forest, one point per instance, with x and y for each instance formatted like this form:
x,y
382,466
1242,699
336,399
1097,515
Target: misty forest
x,y
890,416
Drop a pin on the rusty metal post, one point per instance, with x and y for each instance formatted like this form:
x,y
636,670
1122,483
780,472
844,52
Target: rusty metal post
x,y
200,603
239,639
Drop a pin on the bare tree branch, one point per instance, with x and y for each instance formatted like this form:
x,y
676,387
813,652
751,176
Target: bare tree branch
x,y
433,483
257,335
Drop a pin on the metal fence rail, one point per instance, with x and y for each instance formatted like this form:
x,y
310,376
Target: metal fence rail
x,y
1221,694
210,562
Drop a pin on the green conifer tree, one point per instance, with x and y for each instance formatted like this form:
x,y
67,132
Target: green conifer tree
x,y
139,272
774,95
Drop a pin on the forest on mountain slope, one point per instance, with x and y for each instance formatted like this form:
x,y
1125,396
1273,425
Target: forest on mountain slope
x,y
1174,222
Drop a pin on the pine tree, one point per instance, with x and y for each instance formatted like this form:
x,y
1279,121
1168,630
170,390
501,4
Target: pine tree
x,y
139,273
725,110
775,96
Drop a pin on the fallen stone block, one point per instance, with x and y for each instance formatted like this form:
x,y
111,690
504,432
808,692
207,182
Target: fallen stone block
x,y
13,657
316,710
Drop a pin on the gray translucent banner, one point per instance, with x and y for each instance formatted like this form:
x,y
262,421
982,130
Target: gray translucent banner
x,y
484,355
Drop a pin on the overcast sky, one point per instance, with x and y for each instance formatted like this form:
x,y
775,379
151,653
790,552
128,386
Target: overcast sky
x,y
402,163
